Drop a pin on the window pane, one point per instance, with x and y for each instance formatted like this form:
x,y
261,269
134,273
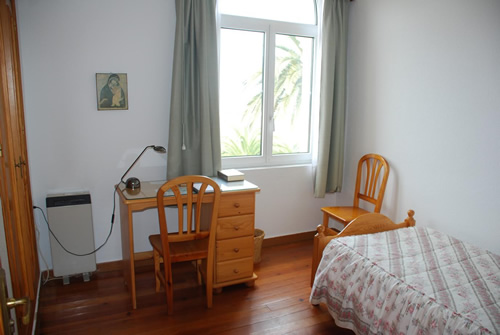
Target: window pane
x,y
241,71
299,11
292,94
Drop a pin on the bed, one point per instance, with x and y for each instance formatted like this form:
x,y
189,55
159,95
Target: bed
x,y
405,279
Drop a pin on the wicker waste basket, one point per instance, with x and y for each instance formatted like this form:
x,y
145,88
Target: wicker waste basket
x,y
258,237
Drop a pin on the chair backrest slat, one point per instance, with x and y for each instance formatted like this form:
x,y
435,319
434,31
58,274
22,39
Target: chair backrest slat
x,y
189,189
371,180
199,203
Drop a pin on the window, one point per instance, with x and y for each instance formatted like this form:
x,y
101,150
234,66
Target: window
x,y
267,51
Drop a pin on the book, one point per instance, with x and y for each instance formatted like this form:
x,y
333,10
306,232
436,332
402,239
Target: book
x,y
231,175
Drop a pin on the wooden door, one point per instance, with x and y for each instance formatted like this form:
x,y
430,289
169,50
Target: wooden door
x,y
15,189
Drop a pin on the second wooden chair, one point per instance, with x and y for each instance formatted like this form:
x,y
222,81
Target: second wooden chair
x,y
371,180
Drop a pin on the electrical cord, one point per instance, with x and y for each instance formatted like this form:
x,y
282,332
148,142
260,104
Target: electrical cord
x,y
47,276
95,250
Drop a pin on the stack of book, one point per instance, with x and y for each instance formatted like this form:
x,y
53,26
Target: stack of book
x,y
231,175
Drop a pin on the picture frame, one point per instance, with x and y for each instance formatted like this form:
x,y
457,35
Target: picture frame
x,y
112,91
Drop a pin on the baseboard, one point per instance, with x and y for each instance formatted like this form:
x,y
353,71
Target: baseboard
x,y
285,239
145,258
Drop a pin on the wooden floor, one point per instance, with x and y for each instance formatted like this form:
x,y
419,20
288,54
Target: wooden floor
x,y
277,304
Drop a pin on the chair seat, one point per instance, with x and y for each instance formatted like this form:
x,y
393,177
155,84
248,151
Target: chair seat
x,y
344,214
182,251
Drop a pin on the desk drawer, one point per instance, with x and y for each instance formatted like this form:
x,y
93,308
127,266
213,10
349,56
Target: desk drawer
x,y
234,248
235,226
236,204
235,269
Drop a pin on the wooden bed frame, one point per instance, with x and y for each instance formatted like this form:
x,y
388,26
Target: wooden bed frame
x,y
364,224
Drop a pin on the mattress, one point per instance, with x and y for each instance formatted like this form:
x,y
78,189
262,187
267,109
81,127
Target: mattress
x,y
409,281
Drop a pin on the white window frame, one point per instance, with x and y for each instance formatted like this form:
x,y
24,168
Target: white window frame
x,y
270,29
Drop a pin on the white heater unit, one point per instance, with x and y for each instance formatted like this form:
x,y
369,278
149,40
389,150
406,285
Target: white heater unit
x,y
70,220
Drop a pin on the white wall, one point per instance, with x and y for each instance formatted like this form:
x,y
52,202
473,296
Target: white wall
x,y
72,146
424,91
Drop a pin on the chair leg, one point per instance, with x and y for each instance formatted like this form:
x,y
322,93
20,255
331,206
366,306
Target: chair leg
x,y
317,254
326,219
156,259
169,289
198,271
209,286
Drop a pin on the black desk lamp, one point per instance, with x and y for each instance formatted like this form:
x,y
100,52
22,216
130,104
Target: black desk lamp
x,y
133,185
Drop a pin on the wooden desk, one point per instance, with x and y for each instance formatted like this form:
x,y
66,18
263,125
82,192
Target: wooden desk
x,y
235,229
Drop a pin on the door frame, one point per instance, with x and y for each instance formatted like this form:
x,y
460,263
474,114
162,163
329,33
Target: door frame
x,y
15,188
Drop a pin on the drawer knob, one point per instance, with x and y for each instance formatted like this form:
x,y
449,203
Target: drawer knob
x,y
236,250
236,227
237,205
236,271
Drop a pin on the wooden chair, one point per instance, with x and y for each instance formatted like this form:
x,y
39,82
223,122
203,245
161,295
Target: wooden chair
x,y
197,198
373,172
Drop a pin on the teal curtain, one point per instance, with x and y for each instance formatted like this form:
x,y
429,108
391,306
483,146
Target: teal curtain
x,y
330,159
194,131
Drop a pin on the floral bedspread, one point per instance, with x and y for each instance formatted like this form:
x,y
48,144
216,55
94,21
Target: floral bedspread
x,y
409,281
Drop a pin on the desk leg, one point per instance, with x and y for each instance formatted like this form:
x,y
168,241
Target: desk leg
x,y
127,232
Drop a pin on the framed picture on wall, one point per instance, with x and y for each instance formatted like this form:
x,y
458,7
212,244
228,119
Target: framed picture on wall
x,y
112,91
